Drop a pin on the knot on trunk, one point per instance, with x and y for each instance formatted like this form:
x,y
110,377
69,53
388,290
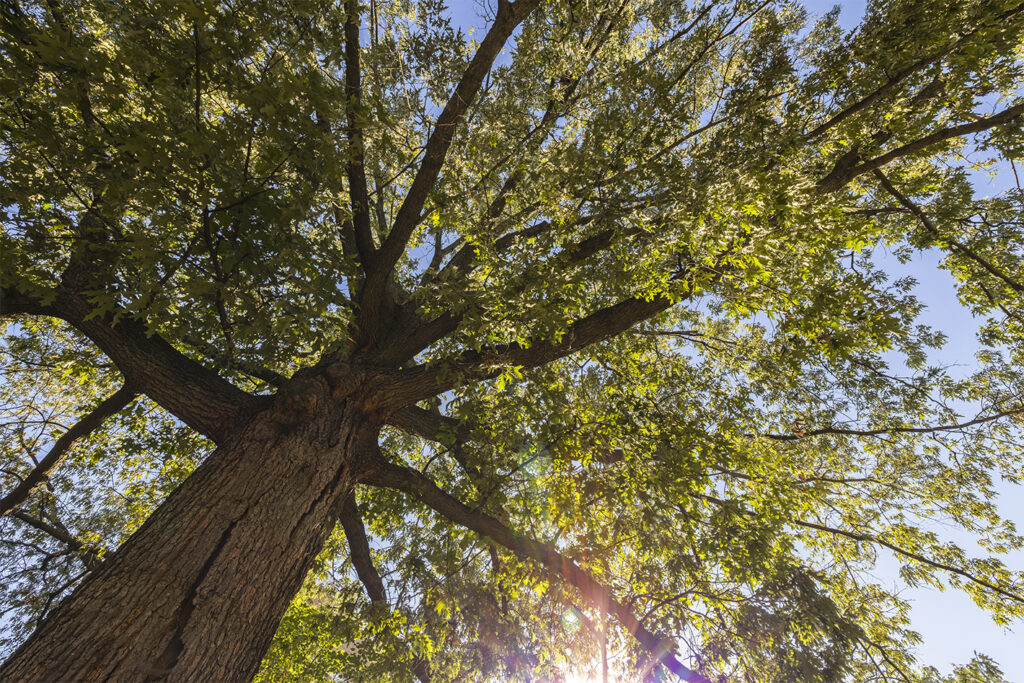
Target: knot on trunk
x,y
343,379
297,401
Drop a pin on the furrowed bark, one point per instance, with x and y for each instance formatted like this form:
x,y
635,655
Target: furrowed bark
x,y
81,429
197,592
422,488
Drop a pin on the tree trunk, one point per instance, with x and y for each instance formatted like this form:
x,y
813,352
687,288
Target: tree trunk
x,y
197,592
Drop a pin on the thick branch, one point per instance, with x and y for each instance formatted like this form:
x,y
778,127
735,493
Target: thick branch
x,y
446,323
359,549
510,15
428,425
424,381
15,303
422,488
63,446
196,395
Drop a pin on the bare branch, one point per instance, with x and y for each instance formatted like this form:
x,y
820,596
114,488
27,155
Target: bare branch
x,y
359,550
252,369
424,381
867,538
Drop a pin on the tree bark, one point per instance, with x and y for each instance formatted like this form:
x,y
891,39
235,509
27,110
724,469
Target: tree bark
x,y
197,592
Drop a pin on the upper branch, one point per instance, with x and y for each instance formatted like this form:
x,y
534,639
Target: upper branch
x,y
63,446
893,430
870,99
961,248
422,335
861,537
843,174
356,167
904,74
422,488
423,381
510,15
910,554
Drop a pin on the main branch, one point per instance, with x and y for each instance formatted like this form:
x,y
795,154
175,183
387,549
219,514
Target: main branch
x,y
194,394
356,167
510,15
424,381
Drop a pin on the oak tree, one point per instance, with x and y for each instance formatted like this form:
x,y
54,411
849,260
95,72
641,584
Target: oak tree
x,y
566,341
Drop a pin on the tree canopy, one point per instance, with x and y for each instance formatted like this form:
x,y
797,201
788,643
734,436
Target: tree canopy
x,y
603,281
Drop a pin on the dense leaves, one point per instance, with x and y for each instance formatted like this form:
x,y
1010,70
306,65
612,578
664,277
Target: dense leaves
x,y
644,316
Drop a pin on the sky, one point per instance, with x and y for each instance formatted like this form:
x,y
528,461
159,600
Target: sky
x,y
951,625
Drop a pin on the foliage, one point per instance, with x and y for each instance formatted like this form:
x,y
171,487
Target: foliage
x,y
648,286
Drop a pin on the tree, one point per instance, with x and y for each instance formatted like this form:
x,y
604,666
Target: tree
x,y
577,326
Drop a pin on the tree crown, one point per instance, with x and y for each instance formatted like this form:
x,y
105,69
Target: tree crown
x,y
606,275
